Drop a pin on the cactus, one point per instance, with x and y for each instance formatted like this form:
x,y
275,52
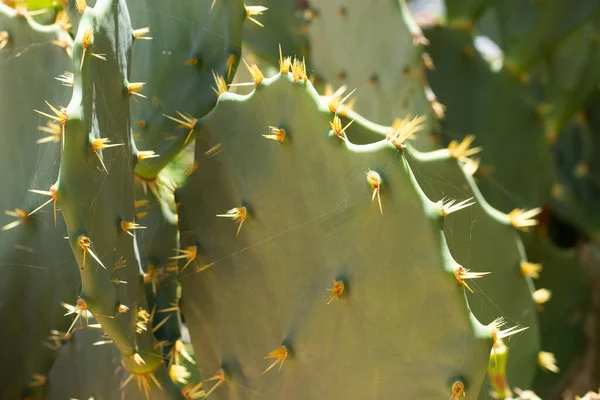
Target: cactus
x,y
476,112
313,251
200,47
97,152
276,218
530,31
37,267
562,320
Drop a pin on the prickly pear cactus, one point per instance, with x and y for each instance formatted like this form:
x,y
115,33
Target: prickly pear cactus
x,y
312,253
94,191
253,291
505,184
390,79
482,236
197,44
37,267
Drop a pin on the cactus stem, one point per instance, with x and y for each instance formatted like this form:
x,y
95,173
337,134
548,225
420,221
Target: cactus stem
x,y
462,274
277,134
522,219
85,244
17,213
53,193
336,127
547,361
461,150
279,355
284,63
447,206
220,83
101,144
188,254
374,180
251,11
531,269
237,213
458,390
186,121
404,129
337,289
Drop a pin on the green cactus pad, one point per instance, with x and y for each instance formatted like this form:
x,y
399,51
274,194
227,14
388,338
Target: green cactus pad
x,y
501,112
563,317
573,74
483,239
465,12
283,25
389,77
531,29
401,325
36,264
95,185
190,42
